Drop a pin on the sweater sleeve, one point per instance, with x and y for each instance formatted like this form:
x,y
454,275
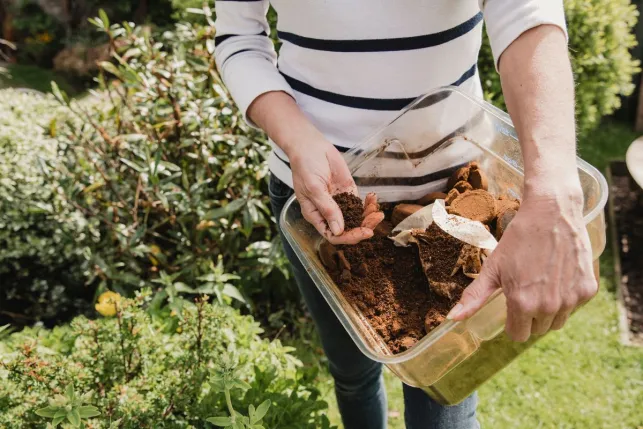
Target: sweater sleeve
x,y
506,20
244,54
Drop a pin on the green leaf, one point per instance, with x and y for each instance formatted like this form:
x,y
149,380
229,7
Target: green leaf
x,y
232,292
57,420
217,384
195,11
133,137
103,17
219,421
227,175
182,287
69,392
110,68
74,418
48,412
87,411
239,384
261,411
226,210
132,165
95,22
93,187
169,166
60,95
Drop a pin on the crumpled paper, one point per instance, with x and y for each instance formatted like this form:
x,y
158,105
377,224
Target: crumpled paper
x,y
466,230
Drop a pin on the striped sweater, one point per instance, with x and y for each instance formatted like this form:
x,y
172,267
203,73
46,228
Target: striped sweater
x,y
352,65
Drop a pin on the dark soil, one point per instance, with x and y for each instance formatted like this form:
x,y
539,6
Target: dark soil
x,y
438,253
387,284
628,212
352,208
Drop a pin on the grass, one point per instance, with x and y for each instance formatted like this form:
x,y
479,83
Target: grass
x,y
33,77
580,377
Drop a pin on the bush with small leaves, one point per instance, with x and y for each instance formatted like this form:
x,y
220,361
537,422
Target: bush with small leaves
x,y
175,178
600,37
149,367
43,237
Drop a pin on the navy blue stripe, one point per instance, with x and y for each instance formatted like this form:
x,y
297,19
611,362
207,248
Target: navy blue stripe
x,y
466,76
383,45
397,181
405,181
381,104
221,39
232,55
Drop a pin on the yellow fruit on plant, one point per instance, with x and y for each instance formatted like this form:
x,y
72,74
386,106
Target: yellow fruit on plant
x,y
108,303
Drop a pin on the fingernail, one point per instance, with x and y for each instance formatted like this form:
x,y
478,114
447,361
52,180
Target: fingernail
x,y
334,227
455,311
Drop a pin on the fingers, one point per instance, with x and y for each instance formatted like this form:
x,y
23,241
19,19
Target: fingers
x,y
370,209
353,236
371,200
372,220
328,208
559,320
540,325
518,325
475,295
314,217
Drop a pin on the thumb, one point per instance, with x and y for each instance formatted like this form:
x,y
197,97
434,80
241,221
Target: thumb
x,y
476,294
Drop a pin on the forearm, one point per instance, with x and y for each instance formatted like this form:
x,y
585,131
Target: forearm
x,y
279,116
538,86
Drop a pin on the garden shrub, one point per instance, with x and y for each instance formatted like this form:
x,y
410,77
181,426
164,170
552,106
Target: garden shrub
x,y
600,36
174,176
41,233
148,369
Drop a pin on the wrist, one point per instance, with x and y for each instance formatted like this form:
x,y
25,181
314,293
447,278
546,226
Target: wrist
x,y
557,189
296,144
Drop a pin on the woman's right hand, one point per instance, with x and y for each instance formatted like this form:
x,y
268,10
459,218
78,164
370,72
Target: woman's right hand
x,y
318,169
319,172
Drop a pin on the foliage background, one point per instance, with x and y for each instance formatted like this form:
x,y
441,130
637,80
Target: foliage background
x,y
600,39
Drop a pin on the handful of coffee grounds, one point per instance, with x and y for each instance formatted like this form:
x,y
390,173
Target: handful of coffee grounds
x,y
352,209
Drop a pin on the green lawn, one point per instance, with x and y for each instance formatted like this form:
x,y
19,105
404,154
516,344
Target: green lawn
x,y
32,77
580,377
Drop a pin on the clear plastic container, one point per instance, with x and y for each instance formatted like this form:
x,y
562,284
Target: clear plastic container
x,y
414,155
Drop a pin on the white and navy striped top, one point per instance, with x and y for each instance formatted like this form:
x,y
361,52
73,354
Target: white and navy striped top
x,y
352,65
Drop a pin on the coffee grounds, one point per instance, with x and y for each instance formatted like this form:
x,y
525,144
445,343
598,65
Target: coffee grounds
x,y
389,287
352,209
439,253
392,294
476,205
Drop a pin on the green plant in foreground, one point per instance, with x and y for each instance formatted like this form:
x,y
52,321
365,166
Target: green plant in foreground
x,y
69,407
143,369
225,381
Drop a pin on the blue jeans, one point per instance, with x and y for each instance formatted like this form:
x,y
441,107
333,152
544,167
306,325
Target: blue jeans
x,y
359,386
